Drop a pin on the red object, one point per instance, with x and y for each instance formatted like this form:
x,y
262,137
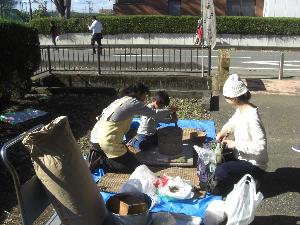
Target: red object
x,y
162,181
200,32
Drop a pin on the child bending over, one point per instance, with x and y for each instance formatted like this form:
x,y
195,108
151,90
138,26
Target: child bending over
x,y
146,134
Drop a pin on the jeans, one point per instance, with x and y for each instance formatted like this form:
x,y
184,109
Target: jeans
x,y
123,164
143,142
229,173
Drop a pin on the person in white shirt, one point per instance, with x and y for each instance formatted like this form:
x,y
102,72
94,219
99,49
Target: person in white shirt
x,y
96,28
249,146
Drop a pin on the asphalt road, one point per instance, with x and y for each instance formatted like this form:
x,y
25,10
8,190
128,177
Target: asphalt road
x,y
281,184
263,64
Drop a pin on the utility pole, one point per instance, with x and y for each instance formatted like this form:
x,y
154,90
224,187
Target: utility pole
x,y
90,4
30,9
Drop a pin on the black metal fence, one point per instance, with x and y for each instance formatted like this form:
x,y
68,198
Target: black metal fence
x,y
118,59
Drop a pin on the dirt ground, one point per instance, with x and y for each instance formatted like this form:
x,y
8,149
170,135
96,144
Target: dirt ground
x,y
81,112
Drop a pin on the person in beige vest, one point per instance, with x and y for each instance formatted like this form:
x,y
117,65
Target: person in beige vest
x,y
114,122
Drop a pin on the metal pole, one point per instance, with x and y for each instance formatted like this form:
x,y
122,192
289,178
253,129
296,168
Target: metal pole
x,y
49,60
202,61
209,60
30,10
98,59
281,63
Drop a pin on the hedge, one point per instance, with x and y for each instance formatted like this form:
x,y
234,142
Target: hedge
x,y
173,24
19,58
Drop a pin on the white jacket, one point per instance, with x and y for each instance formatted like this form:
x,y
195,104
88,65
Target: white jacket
x,y
250,137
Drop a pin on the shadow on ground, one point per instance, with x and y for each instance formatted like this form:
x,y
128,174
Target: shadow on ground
x,y
281,181
255,84
276,220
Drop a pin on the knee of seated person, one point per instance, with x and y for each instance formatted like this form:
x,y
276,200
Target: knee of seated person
x,y
221,173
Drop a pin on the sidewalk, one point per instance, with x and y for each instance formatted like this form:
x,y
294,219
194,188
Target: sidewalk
x,y
273,86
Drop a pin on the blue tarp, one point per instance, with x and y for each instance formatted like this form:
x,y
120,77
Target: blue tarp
x,y
191,207
21,116
97,174
205,125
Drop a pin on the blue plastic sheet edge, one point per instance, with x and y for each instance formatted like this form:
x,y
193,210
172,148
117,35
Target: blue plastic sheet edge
x,y
205,125
191,207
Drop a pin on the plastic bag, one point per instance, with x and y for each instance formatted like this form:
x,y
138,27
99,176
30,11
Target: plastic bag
x,y
175,188
206,165
142,180
215,212
241,203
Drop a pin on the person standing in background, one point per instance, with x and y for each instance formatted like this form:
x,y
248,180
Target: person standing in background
x,y
199,33
96,28
54,32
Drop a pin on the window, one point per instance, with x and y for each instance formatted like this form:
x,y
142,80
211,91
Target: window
x,y
241,7
174,7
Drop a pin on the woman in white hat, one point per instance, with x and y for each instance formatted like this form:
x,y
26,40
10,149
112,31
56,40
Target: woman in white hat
x,y
249,146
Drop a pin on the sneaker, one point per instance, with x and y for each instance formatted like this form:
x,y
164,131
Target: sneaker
x,y
296,148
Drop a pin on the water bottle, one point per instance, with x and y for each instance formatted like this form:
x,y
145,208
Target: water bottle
x,y
218,153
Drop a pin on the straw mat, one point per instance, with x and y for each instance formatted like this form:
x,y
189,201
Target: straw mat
x,y
111,182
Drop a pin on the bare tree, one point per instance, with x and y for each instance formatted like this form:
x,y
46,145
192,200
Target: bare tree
x,y
63,7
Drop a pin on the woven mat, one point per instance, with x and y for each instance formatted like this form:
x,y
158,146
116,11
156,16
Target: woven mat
x,y
111,182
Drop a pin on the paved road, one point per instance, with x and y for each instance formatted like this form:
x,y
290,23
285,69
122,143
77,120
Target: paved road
x,y
261,63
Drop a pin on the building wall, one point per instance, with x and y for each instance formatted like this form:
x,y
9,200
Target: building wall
x,y
220,7
188,7
282,8
147,7
259,11
191,7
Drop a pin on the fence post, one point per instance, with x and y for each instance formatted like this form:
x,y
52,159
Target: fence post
x,y
49,60
281,63
209,61
98,60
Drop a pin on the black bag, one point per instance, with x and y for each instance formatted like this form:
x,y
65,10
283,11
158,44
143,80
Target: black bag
x,y
97,159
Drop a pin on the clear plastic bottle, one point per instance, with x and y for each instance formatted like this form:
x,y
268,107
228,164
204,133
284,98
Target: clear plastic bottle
x,y
218,153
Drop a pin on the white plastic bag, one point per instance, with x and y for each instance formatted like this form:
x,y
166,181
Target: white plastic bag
x,y
142,180
241,203
215,212
176,188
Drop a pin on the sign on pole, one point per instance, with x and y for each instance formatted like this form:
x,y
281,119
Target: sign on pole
x,y
209,22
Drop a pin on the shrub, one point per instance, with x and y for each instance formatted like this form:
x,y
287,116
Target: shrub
x,y
20,57
173,24
258,25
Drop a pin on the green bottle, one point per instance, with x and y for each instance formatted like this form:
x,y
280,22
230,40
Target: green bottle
x,y
218,153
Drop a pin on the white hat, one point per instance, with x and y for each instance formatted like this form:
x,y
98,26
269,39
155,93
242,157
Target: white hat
x,y
234,87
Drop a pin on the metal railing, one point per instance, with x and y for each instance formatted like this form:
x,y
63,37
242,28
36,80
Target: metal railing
x,y
119,59
283,58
